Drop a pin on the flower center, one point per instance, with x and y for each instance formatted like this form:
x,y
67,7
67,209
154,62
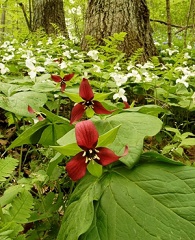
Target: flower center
x,y
88,104
91,155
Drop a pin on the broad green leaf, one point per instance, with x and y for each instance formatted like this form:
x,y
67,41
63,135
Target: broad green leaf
x,y
94,168
7,167
148,109
149,201
31,135
101,96
68,138
188,142
52,133
108,137
74,97
79,215
18,102
134,128
156,157
53,163
68,150
20,208
55,118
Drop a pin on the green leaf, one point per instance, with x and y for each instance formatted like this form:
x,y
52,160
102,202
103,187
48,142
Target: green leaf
x,y
94,168
134,128
79,215
53,163
31,135
68,138
7,167
108,137
150,201
10,193
156,157
18,103
68,150
188,142
101,96
20,207
74,97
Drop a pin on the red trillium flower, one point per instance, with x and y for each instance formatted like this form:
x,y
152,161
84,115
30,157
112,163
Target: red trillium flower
x,y
63,80
87,139
39,116
86,93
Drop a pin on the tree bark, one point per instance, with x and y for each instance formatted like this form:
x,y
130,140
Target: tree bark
x,y
106,17
3,14
49,15
169,32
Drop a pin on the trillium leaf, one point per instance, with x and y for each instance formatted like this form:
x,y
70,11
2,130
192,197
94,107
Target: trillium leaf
x,y
68,150
79,215
150,201
134,128
18,102
108,137
74,97
31,135
94,168
101,96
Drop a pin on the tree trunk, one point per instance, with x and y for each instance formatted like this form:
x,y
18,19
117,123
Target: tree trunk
x,y
169,33
3,14
106,17
49,15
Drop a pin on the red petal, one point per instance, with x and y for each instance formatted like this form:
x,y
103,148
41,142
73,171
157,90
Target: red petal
x,y
106,156
56,78
99,109
76,167
30,110
86,135
85,90
63,86
40,118
126,105
77,112
68,77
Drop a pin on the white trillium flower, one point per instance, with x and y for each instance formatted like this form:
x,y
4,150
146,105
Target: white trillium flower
x,y
93,54
120,94
135,73
96,68
67,54
3,69
183,81
33,69
119,78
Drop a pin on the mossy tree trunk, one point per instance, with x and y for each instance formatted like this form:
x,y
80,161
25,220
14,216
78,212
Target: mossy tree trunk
x,y
106,17
49,15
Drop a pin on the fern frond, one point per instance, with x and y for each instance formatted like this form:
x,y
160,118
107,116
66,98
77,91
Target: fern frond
x,y
20,209
10,193
7,166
